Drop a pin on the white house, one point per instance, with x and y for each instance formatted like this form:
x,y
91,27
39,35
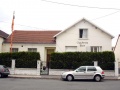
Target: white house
x,y
82,36
117,50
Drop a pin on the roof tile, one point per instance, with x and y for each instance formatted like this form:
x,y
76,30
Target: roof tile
x,y
42,37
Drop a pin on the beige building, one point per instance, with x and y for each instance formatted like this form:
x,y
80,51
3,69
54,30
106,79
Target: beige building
x,y
82,36
117,50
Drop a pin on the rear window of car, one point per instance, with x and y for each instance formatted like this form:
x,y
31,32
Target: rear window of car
x,y
91,69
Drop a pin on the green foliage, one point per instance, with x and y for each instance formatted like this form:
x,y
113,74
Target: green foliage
x,y
72,60
22,59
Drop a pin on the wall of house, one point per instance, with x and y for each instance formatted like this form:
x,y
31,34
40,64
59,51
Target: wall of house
x,y
117,51
1,41
96,37
41,48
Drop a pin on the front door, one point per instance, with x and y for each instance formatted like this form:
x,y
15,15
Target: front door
x,y
49,51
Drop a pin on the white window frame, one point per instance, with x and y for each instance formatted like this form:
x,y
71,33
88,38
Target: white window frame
x,y
15,49
32,49
70,48
83,33
96,48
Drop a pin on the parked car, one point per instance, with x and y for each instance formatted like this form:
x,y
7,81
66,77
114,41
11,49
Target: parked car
x,y
84,72
4,71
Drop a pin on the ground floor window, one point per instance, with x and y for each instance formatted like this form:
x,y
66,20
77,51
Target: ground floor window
x,y
14,49
70,48
96,48
32,49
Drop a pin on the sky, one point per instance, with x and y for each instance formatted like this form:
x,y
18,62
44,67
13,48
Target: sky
x,y
60,14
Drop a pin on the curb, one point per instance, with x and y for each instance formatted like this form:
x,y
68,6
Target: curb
x,y
53,77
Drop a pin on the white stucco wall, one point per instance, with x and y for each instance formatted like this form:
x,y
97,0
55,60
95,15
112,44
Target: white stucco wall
x,y
117,51
41,48
1,41
96,37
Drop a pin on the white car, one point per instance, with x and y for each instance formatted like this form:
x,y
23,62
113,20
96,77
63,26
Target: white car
x,y
84,72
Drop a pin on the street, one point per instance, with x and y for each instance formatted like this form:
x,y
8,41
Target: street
x,y
48,84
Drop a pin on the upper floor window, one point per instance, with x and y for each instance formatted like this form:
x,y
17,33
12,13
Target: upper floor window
x,y
83,33
32,49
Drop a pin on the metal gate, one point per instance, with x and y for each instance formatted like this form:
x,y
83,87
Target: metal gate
x,y
44,69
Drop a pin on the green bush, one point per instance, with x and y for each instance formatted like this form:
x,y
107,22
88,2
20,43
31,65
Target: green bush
x,y
72,60
22,59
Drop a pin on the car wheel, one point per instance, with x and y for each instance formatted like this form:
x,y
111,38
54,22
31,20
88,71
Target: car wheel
x,y
97,78
6,76
1,75
69,78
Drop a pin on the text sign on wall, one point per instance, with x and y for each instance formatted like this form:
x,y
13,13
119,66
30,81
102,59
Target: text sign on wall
x,y
82,44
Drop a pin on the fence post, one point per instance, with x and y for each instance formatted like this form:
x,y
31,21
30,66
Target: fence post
x,y
13,67
116,69
95,63
38,67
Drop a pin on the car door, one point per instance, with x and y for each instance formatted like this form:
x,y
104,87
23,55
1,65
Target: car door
x,y
91,70
80,73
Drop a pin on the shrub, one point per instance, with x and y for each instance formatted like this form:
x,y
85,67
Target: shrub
x,y
72,60
22,59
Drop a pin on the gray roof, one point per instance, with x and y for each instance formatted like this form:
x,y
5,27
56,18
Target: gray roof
x,y
3,34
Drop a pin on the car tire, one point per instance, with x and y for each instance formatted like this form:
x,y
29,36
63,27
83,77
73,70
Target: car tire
x,y
1,75
97,78
69,78
5,76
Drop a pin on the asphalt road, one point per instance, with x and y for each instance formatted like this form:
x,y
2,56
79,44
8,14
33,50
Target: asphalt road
x,y
47,84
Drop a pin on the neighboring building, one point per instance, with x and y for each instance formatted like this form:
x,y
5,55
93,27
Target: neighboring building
x,y
83,36
3,36
117,50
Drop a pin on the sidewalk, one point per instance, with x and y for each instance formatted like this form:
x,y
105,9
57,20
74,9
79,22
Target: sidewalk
x,y
56,74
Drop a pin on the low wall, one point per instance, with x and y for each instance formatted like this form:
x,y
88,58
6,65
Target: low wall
x,y
24,71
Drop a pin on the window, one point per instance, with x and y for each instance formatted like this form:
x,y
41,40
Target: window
x,y
91,69
83,33
32,49
71,48
14,49
96,48
81,69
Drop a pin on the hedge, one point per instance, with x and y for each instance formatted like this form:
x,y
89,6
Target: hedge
x,y
72,60
22,59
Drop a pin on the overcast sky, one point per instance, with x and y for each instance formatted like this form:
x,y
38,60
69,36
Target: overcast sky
x,y
60,14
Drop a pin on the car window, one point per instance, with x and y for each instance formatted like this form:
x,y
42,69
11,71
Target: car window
x,y
81,69
91,69
4,66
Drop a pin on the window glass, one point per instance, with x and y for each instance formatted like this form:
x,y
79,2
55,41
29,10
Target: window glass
x,y
32,49
91,69
96,48
81,69
83,33
14,49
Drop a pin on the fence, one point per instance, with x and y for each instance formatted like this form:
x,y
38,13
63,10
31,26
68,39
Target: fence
x,y
25,71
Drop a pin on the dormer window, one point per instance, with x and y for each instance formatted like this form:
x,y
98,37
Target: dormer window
x,y
83,33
